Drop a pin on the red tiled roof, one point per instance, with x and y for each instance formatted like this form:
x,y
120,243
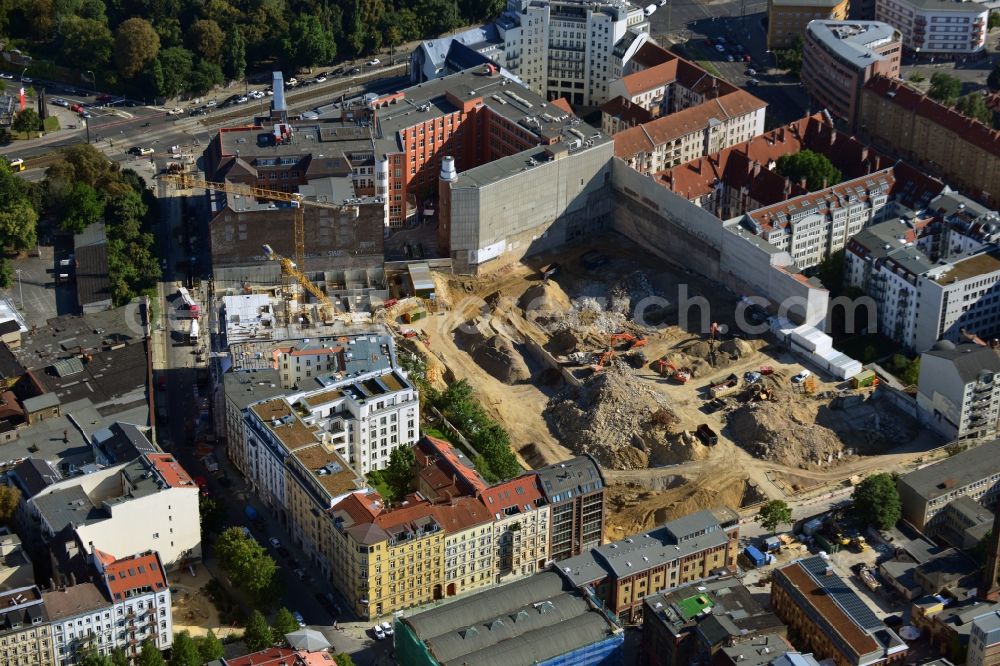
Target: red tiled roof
x,y
964,127
170,470
632,141
102,557
269,657
136,573
461,514
651,55
360,507
446,458
627,112
561,103
651,77
404,515
519,492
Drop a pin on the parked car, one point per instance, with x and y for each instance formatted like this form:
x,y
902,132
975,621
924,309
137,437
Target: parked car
x,y
374,62
275,542
101,98
379,634
59,101
355,70
747,58
242,99
298,618
175,111
321,79
292,82
210,103
801,377
9,77
753,82
751,71
730,58
301,573
720,48
387,629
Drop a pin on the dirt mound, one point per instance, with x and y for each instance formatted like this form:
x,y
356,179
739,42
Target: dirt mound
x,y
626,294
571,339
620,422
798,431
544,300
493,352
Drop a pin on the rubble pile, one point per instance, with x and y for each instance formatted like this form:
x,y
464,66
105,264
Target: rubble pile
x,y
612,418
493,352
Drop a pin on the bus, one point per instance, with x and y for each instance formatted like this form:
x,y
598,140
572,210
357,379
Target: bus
x,y
188,304
17,165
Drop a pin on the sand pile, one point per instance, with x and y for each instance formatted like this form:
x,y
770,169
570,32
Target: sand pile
x,y
544,300
493,351
618,421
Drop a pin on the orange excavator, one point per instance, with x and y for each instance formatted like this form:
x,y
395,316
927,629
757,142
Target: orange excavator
x,y
666,368
630,341
601,359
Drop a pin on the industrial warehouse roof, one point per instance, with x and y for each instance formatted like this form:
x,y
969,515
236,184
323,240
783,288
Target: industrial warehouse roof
x,y
955,472
527,622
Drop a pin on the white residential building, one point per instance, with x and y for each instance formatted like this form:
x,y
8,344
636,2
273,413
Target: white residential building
x,y
939,27
933,274
140,599
958,394
82,616
567,48
150,503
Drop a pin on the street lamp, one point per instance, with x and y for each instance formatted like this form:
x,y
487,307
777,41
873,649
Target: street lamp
x,y
19,289
22,76
93,80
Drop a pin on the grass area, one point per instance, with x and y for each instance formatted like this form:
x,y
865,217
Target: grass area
x,y
380,486
50,124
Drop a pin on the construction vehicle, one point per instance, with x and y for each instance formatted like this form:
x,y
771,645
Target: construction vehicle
x,y
601,359
667,369
635,359
630,341
766,370
859,544
288,267
727,386
708,436
868,578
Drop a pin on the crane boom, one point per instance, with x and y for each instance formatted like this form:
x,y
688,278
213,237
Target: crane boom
x,y
288,267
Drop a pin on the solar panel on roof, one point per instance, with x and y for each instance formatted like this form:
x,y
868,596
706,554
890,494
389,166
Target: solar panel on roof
x,y
842,595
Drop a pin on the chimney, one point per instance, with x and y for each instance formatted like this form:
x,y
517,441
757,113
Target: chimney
x,y
988,588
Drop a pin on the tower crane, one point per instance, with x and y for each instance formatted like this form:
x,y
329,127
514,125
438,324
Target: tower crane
x,y
288,267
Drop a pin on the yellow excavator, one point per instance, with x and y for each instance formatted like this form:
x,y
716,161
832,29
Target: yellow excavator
x,y
326,308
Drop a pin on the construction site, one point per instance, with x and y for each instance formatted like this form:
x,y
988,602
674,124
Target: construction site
x,y
681,413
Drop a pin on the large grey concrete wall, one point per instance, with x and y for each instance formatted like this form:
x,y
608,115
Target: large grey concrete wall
x,y
681,232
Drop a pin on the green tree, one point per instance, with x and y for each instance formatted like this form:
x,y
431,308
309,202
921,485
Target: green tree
x,y
876,501
6,273
493,443
234,63
170,32
119,658
284,623
177,63
774,513
994,20
398,474
343,659
205,76
150,655
184,652
258,635
210,647
974,106
213,516
85,208
10,497
309,43
91,657
205,38
437,16
136,45
18,226
831,273
993,80
87,43
26,121
790,58
944,88
816,168
248,563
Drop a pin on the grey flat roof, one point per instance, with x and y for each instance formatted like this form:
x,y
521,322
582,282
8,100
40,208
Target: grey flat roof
x,y
948,6
969,359
989,624
577,476
68,506
39,402
645,551
852,41
497,170
245,387
955,472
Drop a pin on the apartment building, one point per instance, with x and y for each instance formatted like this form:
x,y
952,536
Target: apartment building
x,y
813,226
984,642
624,572
574,491
470,554
667,111
316,479
25,631
787,19
150,503
829,618
140,600
521,519
925,294
926,492
311,362
240,390
839,57
932,136
82,617
564,48
387,560
444,471
937,27
694,622
958,394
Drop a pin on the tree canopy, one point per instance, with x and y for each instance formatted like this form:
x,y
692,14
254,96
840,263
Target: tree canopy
x,y
284,623
150,655
248,564
944,88
876,501
258,635
209,647
398,474
136,45
774,513
184,652
816,168
974,106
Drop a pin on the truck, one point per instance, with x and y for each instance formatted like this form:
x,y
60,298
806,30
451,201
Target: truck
x,y
188,304
193,335
867,577
708,436
727,386
648,11
864,379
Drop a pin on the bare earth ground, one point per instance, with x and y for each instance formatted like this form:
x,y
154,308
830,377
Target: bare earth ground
x,y
193,610
772,449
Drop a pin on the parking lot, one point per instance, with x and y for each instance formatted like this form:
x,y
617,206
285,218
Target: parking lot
x,y
43,298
